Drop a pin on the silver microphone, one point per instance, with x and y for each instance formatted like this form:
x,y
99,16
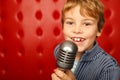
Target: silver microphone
x,y
66,55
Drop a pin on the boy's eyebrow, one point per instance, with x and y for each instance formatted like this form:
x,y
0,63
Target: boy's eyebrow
x,y
90,19
68,18
84,19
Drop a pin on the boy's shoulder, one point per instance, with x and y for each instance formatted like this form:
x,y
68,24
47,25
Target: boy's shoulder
x,y
108,60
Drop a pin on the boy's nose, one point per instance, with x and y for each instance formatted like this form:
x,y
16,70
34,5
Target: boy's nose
x,y
77,30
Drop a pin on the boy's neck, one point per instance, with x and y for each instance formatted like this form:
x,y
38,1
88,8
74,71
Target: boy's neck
x,y
78,56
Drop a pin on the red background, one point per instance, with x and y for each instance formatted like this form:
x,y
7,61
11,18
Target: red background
x,y
30,30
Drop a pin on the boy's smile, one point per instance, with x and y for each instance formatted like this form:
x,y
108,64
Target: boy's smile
x,y
78,39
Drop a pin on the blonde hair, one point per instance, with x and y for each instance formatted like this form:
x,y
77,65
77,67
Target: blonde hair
x,y
92,8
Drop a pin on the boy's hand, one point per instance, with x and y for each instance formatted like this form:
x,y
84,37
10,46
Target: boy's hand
x,y
60,75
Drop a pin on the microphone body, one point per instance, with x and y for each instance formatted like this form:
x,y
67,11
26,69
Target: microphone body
x,y
66,55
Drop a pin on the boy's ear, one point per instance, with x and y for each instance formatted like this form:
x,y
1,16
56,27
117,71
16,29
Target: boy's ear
x,y
99,33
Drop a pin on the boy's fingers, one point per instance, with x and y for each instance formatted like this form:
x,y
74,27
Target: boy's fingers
x,y
55,77
62,75
59,72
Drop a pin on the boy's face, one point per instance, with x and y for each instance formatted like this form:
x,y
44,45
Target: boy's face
x,y
82,30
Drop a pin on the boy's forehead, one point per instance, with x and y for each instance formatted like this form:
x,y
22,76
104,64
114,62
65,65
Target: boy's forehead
x,y
72,11
76,11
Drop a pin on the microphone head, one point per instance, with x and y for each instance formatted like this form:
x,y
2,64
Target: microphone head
x,y
66,55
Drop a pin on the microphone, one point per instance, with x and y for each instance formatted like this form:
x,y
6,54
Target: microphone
x,y
66,55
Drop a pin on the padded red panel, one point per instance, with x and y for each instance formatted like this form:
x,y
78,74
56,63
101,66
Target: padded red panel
x,y
110,39
29,31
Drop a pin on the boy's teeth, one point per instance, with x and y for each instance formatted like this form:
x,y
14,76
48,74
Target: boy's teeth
x,y
78,39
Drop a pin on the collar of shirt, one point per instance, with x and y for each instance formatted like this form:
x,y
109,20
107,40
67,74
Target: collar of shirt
x,y
92,54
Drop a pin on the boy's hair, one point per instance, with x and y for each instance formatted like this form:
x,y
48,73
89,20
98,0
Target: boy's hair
x,y
92,8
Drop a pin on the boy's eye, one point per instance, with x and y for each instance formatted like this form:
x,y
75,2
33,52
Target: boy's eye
x,y
69,22
87,24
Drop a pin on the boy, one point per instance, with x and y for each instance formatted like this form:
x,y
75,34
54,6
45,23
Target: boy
x,y
82,22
